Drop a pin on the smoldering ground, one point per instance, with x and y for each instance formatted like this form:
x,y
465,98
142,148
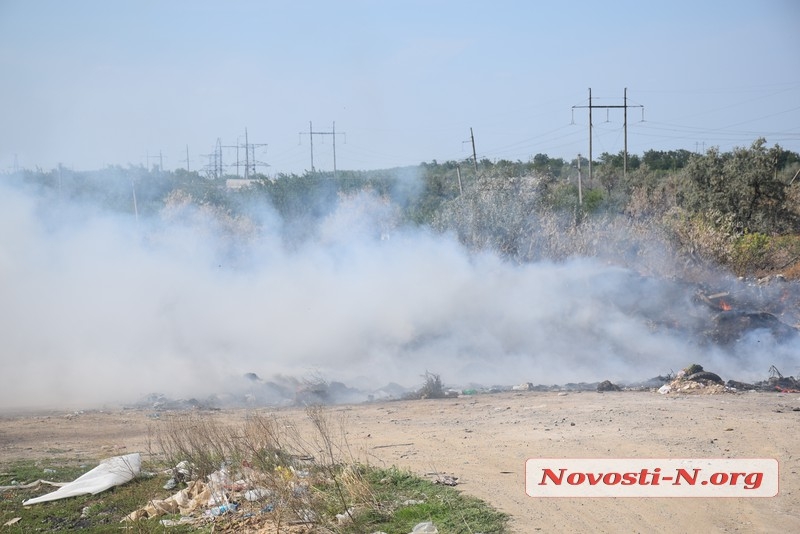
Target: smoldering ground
x,y
100,308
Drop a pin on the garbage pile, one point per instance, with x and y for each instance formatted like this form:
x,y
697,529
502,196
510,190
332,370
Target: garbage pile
x,y
243,499
768,305
244,496
777,382
695,379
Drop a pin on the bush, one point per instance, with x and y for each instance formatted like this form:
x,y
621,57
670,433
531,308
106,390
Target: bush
x,y
749,253
432,388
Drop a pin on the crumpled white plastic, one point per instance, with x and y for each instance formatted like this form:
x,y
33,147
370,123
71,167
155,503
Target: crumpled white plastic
x,y
111,472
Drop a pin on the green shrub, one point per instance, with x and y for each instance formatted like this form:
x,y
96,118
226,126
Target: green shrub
x,y
750,253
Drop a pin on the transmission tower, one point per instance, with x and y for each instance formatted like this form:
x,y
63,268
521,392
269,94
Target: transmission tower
x,y
250,162
624,106
332,133
214,167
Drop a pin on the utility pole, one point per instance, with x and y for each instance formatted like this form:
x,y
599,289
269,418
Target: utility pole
x,y
624,106
625,122
160,158
312,133
218,169
474,155
580,186
135,206
333,136
591,171
187,158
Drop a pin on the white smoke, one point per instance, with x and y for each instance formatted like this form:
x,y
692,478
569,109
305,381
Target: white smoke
x,y
99,309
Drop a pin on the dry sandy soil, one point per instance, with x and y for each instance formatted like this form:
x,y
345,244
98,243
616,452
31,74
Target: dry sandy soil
x,y
484,440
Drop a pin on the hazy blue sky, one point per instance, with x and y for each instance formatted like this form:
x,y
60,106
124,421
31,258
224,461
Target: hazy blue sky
x,y
93,83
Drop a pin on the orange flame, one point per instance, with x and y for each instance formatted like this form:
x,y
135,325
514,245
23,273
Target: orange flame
x,y
724,306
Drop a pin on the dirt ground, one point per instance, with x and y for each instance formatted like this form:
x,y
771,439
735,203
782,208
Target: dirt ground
x,y
484,440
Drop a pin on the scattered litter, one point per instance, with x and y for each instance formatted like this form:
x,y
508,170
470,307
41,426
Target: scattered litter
x,y
307,516
224,509
345,517
182,521
196,495
257,494
740,386
16,485
425,528
446,480
666,388
183,468
111,472
12,522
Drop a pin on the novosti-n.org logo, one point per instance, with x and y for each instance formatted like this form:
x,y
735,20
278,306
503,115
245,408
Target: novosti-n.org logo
x,y
651,477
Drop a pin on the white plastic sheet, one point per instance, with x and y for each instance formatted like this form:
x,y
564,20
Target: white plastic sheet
x,y
111,472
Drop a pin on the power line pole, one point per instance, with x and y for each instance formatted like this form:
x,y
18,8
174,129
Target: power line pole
x,y
333,136
160,159
312,133
624,106
474,155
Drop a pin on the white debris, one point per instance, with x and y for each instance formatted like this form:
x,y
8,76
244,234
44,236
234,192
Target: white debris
x,y
111,472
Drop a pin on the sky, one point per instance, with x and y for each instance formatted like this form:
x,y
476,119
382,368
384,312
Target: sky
x,y
89,84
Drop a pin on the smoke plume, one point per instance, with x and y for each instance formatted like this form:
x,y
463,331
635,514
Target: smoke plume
x,y
100,308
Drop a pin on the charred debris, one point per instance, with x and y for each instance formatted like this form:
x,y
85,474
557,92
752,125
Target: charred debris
x,y
718,314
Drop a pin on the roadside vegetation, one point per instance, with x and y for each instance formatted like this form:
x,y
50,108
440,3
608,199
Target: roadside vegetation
x,y
737,210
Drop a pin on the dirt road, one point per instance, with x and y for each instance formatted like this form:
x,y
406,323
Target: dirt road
x,y
484,440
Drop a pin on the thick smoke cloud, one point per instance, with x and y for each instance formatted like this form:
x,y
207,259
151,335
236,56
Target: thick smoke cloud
x,y
103,308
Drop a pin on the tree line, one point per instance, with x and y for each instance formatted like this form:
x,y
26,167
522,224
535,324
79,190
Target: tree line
x,y
738,209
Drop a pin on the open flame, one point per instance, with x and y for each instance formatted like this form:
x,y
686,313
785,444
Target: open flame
x,y
724,306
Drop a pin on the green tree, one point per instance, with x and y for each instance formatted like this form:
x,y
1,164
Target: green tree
x,y
743,183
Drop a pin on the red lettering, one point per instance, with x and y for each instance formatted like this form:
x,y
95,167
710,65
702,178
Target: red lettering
x,y
594,479
548,473
684,474
575,479
718,479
